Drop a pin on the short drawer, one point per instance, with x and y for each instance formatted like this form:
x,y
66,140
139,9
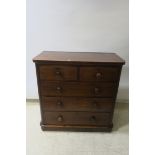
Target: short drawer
x,y
78,89
77,104
52,72
76,118
99,73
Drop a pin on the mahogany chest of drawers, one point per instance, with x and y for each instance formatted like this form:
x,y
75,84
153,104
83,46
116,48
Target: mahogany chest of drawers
x,y
77,90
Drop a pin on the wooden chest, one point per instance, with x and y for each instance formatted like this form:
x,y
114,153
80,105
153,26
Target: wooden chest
x,y
77,90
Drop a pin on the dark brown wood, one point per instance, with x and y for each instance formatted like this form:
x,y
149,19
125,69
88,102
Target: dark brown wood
x,y
77,118
79,57
78,128
95,89
39,92
77,90
77,104
50,72
99,73
117,85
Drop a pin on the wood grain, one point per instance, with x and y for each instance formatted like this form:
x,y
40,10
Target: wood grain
x,y
88,89
77,118
79,57
77,91
77,104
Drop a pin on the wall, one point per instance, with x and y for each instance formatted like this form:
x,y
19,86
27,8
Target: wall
x,y
77,25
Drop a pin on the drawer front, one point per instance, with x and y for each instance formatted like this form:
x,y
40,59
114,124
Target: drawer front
x,y
78,89
51,72
76,118
99,73
77,104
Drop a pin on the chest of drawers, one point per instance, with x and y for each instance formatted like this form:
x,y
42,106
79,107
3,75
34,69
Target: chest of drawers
x,y
77,90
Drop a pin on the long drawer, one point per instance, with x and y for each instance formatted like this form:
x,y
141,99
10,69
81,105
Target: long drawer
x,y
96,89
77,104
76,118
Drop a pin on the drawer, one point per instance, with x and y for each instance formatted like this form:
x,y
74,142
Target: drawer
x,y
76,118
99,73
73,89
77,104
52,72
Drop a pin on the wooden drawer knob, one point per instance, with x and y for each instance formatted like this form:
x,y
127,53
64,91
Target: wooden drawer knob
x,y
58,73
93,118
96,90
59,103
59,89
98,75
60,118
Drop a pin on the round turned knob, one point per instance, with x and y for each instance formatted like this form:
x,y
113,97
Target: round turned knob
x,y
97,90
59,103
58,88
58,73
98,75
93,118
60,118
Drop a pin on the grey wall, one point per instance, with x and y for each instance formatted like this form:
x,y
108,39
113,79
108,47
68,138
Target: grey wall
x,y
77,25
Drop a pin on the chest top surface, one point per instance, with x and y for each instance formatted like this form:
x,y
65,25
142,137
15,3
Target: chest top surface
x,y
50,56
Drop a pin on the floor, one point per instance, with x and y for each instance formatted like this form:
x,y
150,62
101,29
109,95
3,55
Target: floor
x,y
77,143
